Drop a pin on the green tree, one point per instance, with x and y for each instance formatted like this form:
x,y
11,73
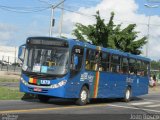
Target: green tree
x,y
155,65
110,35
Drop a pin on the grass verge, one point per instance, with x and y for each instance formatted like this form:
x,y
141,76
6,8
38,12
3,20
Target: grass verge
x,y
10,93
8,80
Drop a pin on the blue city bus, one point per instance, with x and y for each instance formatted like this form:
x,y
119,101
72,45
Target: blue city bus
x,y
69,68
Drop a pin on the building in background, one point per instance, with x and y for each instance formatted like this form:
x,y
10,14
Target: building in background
x,y
9,54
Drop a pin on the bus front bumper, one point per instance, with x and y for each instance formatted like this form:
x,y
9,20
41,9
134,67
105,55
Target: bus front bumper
x,y
56,90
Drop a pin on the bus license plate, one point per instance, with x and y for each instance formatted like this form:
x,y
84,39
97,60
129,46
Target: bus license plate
x,y
45,82
37,89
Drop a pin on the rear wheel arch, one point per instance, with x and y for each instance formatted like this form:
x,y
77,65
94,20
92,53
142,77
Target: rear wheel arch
x,y
129,86
86,85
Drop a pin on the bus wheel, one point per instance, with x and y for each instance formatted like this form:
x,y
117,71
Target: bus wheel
x,y
43,98
83,97
127,96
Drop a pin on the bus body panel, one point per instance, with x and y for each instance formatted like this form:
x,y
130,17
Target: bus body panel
x,y
107,85
113,85
74,86
142,85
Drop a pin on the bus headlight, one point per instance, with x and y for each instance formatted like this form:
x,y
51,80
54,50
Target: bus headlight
x,y
62,83
23,81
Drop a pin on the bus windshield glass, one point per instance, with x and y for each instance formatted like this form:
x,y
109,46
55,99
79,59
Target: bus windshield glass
x,y
46,60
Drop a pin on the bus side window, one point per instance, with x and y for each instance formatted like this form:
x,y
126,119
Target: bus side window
x,y
138,67
88,59
92,59
132,68
104,66
124,65
144,69
77,58
115,63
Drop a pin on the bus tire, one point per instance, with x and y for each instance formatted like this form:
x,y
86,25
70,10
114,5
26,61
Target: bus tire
x,y
127,96
43,98
83,97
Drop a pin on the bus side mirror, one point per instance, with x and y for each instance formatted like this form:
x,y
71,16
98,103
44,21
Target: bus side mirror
x,y
21,52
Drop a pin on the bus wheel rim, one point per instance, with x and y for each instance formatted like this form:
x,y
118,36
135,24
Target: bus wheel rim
x,y
127,94
83,95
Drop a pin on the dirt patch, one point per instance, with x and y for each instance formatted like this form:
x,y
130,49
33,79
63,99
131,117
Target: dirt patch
x,y
9,75
155,89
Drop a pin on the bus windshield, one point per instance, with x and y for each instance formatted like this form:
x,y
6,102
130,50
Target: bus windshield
x,y
46,60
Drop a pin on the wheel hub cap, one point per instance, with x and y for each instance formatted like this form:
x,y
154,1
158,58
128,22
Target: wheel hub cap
x,y
83,95
127,94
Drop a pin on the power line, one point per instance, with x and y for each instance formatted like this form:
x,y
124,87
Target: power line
x,y
20,7
87,15
23,9
11,10
39,9
45,2
52,17
129,22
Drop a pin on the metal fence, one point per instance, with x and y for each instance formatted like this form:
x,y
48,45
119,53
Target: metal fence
x,y
8,63
10,69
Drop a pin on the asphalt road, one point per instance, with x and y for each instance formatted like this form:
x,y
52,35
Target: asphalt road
x,y
148,104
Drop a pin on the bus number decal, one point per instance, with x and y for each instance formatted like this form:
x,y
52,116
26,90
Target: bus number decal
x,y
77,51
83,76
129,80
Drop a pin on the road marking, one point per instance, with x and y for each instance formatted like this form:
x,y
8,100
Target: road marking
x,y
47,109
141,103
151,100
155,105
73,107
127,107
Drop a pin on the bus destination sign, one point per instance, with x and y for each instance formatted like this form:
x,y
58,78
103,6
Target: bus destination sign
x,y
47,42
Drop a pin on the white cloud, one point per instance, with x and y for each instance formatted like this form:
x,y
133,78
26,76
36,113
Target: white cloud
x,y
126,11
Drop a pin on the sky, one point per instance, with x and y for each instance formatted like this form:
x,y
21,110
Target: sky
x,y
21,19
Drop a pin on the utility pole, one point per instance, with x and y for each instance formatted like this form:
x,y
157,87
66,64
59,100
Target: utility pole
x,y
61,21
148,25
15,54
147,44
52,20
